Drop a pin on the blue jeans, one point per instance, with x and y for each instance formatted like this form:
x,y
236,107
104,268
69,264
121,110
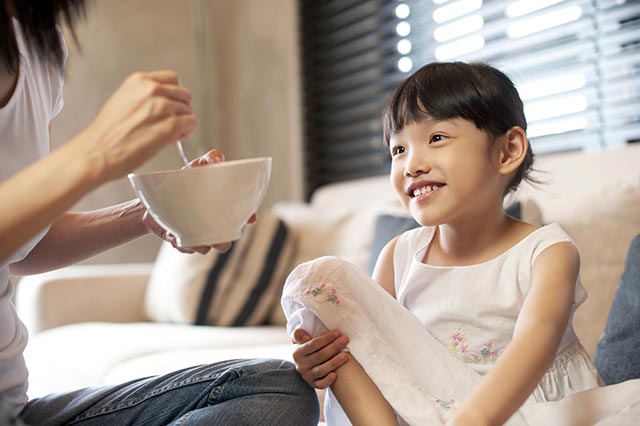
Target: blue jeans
x,y
617,352
240,392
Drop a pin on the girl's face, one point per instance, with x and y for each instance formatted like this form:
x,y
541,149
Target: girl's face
x,y
445,171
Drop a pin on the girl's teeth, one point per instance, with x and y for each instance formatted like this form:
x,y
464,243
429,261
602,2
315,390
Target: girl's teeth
x,y
423,190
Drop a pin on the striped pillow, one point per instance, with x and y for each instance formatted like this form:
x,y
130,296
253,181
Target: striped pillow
x,y
236,288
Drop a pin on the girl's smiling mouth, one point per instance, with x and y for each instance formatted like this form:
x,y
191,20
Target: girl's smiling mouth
x,y
420,189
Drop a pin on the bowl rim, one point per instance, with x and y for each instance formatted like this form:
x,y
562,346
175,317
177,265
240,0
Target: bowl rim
x,y
223,164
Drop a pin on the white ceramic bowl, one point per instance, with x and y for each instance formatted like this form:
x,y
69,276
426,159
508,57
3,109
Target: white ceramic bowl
x,y
207,204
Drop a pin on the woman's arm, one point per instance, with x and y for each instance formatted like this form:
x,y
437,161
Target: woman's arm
x,y
79,236
40,194
358,395
537,335
148,111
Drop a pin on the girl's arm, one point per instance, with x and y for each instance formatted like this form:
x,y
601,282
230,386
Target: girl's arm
x,y
360,398
537,335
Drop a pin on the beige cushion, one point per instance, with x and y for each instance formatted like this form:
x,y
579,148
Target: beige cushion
x,y
595,197
238,288
89,354
602,233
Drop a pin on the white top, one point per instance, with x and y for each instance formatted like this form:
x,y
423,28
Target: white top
x,y
24,126
472,310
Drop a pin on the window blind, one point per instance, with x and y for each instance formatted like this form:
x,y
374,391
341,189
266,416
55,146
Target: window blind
x,y
576,64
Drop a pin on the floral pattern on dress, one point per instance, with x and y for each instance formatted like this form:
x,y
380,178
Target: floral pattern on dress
x,y
324,292
446,405
460,348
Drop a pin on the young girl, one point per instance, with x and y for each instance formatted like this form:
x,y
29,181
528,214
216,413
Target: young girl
x,y
483,323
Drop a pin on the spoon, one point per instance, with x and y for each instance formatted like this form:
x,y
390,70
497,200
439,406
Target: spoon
x,y
185,160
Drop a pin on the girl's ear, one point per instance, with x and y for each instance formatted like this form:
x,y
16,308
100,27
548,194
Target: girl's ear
x,y
513,150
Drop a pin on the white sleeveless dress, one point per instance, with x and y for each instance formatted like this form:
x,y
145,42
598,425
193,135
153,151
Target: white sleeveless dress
x,y
472,310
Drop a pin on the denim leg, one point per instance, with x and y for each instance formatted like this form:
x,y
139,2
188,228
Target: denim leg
x,y
241,392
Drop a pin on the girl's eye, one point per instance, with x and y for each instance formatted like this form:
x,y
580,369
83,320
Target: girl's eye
x,y
436,138
397,150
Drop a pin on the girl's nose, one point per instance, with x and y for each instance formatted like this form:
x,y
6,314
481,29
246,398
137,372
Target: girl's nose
x,y
416,165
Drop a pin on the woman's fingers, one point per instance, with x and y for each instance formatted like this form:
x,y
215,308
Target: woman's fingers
x,y
176,93
161,76
211,157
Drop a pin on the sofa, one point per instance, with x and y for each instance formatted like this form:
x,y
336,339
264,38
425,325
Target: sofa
x,y
98,324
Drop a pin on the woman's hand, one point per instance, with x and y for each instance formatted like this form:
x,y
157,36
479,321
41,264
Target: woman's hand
x,y
317,359
211,157
148,111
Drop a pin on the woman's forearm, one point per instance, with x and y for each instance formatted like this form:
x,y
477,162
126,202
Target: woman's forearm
x,y
79,236
40,194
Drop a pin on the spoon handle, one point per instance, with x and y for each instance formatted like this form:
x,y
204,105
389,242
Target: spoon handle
x,y
185,160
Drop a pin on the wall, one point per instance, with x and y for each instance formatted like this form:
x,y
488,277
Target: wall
x,y
239,58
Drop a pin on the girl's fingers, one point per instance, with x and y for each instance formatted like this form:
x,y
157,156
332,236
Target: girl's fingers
x,y
329,351
326,381
319,342
328,367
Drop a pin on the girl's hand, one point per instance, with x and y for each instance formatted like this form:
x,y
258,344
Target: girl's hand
x,y
211,157
317,359
148,111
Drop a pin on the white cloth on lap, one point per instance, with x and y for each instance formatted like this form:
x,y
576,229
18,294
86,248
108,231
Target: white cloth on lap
x,y
422,380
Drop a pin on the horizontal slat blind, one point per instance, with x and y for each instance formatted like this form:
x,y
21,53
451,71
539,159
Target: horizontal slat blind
x,y
576,64
349,68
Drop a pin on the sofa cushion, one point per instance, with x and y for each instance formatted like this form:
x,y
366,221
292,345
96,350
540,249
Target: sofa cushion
x,y
236,288
595,197
617,352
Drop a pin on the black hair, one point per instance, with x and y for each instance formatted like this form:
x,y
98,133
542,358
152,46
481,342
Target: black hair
x,y
39,20
473,91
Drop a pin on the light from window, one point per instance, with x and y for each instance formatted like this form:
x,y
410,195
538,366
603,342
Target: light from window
x,y
458,28
556,127
543,22
402,11
455,10
405,64
542,110
404,46
459,47
523,7
403,29
551,86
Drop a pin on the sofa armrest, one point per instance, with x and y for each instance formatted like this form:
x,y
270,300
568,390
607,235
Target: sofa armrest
x,y
111,293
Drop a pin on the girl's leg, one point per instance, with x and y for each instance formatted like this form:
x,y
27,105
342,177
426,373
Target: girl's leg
x,y
243,392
